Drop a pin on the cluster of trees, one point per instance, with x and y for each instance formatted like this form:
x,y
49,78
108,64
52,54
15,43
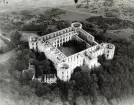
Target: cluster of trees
x,y
46,22
99,26
21,83
110,23
21,90
35,20
113,80
42,65
43,28
10,21
108,3
98,31
16,94
106,82
13,42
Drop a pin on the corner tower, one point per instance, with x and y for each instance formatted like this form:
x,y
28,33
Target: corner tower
x,y
33,43
76,25
64,71
109,50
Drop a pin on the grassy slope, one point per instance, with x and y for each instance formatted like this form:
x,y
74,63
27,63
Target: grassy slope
x,y
6,56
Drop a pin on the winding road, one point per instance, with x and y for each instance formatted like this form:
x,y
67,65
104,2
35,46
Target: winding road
x,y
4,37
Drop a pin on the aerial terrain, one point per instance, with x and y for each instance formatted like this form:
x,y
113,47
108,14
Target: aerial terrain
x,y
107,20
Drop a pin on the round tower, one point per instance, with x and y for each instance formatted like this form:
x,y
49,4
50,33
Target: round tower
x,y
64,71
109,50
33,43
76,25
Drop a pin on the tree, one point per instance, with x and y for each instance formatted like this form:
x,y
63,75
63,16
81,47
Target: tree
x,y
15,37
28,74
101,100
108,3
70,94
76,1
76,76
80,101
41,56
57,101
62,24
83,2
44,66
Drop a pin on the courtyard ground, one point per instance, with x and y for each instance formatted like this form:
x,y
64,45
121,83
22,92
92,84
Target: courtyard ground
x,y
68,50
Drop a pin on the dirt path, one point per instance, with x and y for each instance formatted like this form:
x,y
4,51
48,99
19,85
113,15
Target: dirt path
x,y
4,37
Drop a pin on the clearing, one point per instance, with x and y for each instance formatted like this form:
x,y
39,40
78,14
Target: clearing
x,y
25,36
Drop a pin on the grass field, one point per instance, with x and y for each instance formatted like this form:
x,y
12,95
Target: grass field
x,y
25,36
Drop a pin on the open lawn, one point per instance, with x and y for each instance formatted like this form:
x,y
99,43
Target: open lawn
x,y
25,36
75,15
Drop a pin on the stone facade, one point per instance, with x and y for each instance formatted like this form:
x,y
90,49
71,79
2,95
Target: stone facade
x,y
46,78
65,65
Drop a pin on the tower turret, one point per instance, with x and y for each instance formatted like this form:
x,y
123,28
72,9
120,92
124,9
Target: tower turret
x,y
64,71
33,43
109,50
76,25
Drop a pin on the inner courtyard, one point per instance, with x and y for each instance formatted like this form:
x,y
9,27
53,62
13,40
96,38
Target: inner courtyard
x,y
72,47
